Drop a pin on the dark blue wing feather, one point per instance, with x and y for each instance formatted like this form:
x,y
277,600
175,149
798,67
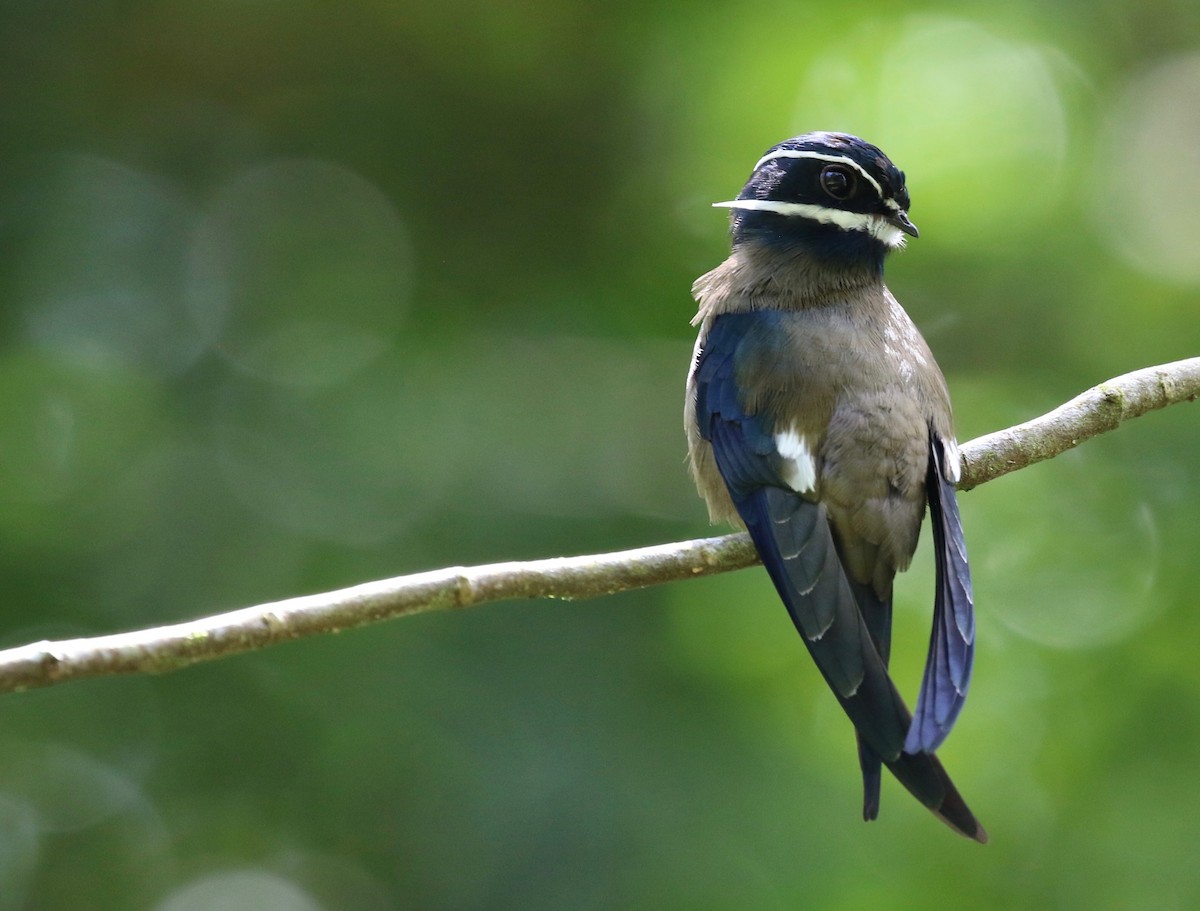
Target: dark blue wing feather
x,y
747,452
797,547
952,641
791,534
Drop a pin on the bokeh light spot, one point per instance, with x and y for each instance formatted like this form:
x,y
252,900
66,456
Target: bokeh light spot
x,y
1146,195
240,890
971,116
305,266
1069,558
105,281
68,430
19,849
70,789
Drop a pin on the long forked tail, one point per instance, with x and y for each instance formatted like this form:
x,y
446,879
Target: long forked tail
x,y
793,538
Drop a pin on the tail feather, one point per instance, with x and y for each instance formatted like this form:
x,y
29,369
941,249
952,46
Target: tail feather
x,y
822,603
925,778
877,615
872,777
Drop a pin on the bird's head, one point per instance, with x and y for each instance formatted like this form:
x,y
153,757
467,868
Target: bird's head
x,y
830,195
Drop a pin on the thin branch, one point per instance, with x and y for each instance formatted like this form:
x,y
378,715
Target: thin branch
x,y
1100,409
167,648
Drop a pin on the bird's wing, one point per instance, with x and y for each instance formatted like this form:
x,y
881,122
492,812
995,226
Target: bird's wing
x,y
952,642
793,538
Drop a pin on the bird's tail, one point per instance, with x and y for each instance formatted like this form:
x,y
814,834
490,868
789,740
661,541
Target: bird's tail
x,y
922,774
872,776
797,548
876,612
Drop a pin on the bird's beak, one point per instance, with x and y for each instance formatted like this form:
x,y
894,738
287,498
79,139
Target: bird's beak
x,y
900,219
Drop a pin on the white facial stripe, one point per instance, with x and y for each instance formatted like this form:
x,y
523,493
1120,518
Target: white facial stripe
x,y
799,466
821,156
877,227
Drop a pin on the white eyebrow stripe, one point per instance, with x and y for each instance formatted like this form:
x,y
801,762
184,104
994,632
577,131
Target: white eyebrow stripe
x,y
875,225
821,156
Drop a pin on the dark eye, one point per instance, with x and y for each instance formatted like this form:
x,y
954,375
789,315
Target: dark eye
x,y
837,181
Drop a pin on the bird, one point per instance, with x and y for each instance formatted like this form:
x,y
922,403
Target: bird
x,y
817,418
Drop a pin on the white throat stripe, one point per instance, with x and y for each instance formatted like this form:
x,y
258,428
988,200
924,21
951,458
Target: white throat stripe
x,y
821,156
877,226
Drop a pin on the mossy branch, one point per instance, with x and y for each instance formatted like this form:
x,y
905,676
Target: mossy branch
x,y
167,648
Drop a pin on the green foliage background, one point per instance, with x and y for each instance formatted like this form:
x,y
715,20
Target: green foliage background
x,y
302,294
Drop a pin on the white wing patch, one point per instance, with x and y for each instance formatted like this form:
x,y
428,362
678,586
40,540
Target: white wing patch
x,y
799,466
953,466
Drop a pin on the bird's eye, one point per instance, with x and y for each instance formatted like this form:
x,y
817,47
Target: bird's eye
x,y
837,181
